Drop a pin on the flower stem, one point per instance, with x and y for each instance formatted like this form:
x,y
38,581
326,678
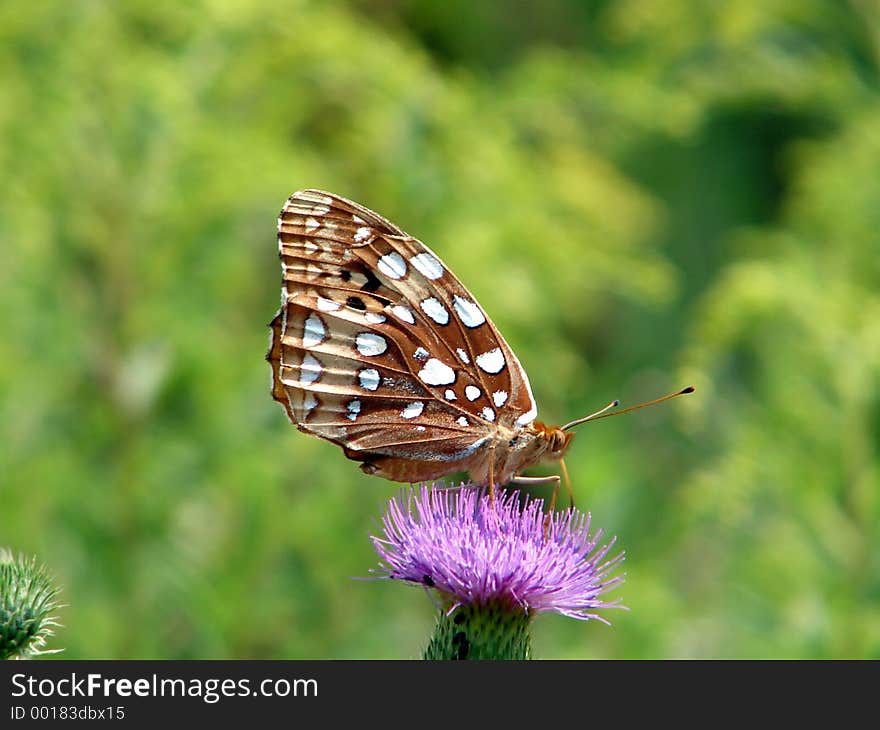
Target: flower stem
x,y
487,631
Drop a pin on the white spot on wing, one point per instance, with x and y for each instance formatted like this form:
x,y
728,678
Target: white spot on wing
x,y
462,421
374,317
328,305
420,354
492,361
450,394
427,265
463,355
313,331
472,448
309,402
404,313
369,378
354,407
362,234
413,410
392,265
499,397
311,196
312,224
472,392
526,418
310,246
310,370
469,313
435,310
437,373
488,414
370,344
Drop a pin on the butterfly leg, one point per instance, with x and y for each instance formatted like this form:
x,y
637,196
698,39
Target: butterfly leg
x,y
567,480
529,481
492,476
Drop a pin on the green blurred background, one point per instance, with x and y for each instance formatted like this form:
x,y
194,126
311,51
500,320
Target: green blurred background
x,y
643,194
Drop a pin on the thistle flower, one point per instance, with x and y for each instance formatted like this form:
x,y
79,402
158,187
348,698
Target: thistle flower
x,y
494,567
27,598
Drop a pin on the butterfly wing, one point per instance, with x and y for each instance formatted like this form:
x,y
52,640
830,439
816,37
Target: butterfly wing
x,y
379,348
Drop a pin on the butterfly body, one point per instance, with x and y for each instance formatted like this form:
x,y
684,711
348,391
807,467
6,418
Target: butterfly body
x,y
509,452
379,348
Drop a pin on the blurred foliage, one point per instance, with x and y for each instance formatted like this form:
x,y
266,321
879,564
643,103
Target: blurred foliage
x,y
643,194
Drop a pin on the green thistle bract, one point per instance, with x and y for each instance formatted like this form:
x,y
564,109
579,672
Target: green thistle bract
x,y
27,600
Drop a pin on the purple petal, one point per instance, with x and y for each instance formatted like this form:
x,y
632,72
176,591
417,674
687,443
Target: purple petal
x,y
453,541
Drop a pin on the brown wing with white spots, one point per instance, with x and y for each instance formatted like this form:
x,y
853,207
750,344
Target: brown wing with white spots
x,y
379,348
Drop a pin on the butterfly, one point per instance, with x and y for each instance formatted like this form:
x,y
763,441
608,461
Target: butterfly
x,y
379,348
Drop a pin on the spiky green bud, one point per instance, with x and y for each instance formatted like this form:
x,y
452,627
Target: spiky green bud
x,y
27,600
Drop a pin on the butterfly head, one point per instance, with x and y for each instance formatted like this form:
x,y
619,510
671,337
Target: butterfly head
x,y
554,439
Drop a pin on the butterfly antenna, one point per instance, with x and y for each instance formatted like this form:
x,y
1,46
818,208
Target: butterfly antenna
x,y
602,412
